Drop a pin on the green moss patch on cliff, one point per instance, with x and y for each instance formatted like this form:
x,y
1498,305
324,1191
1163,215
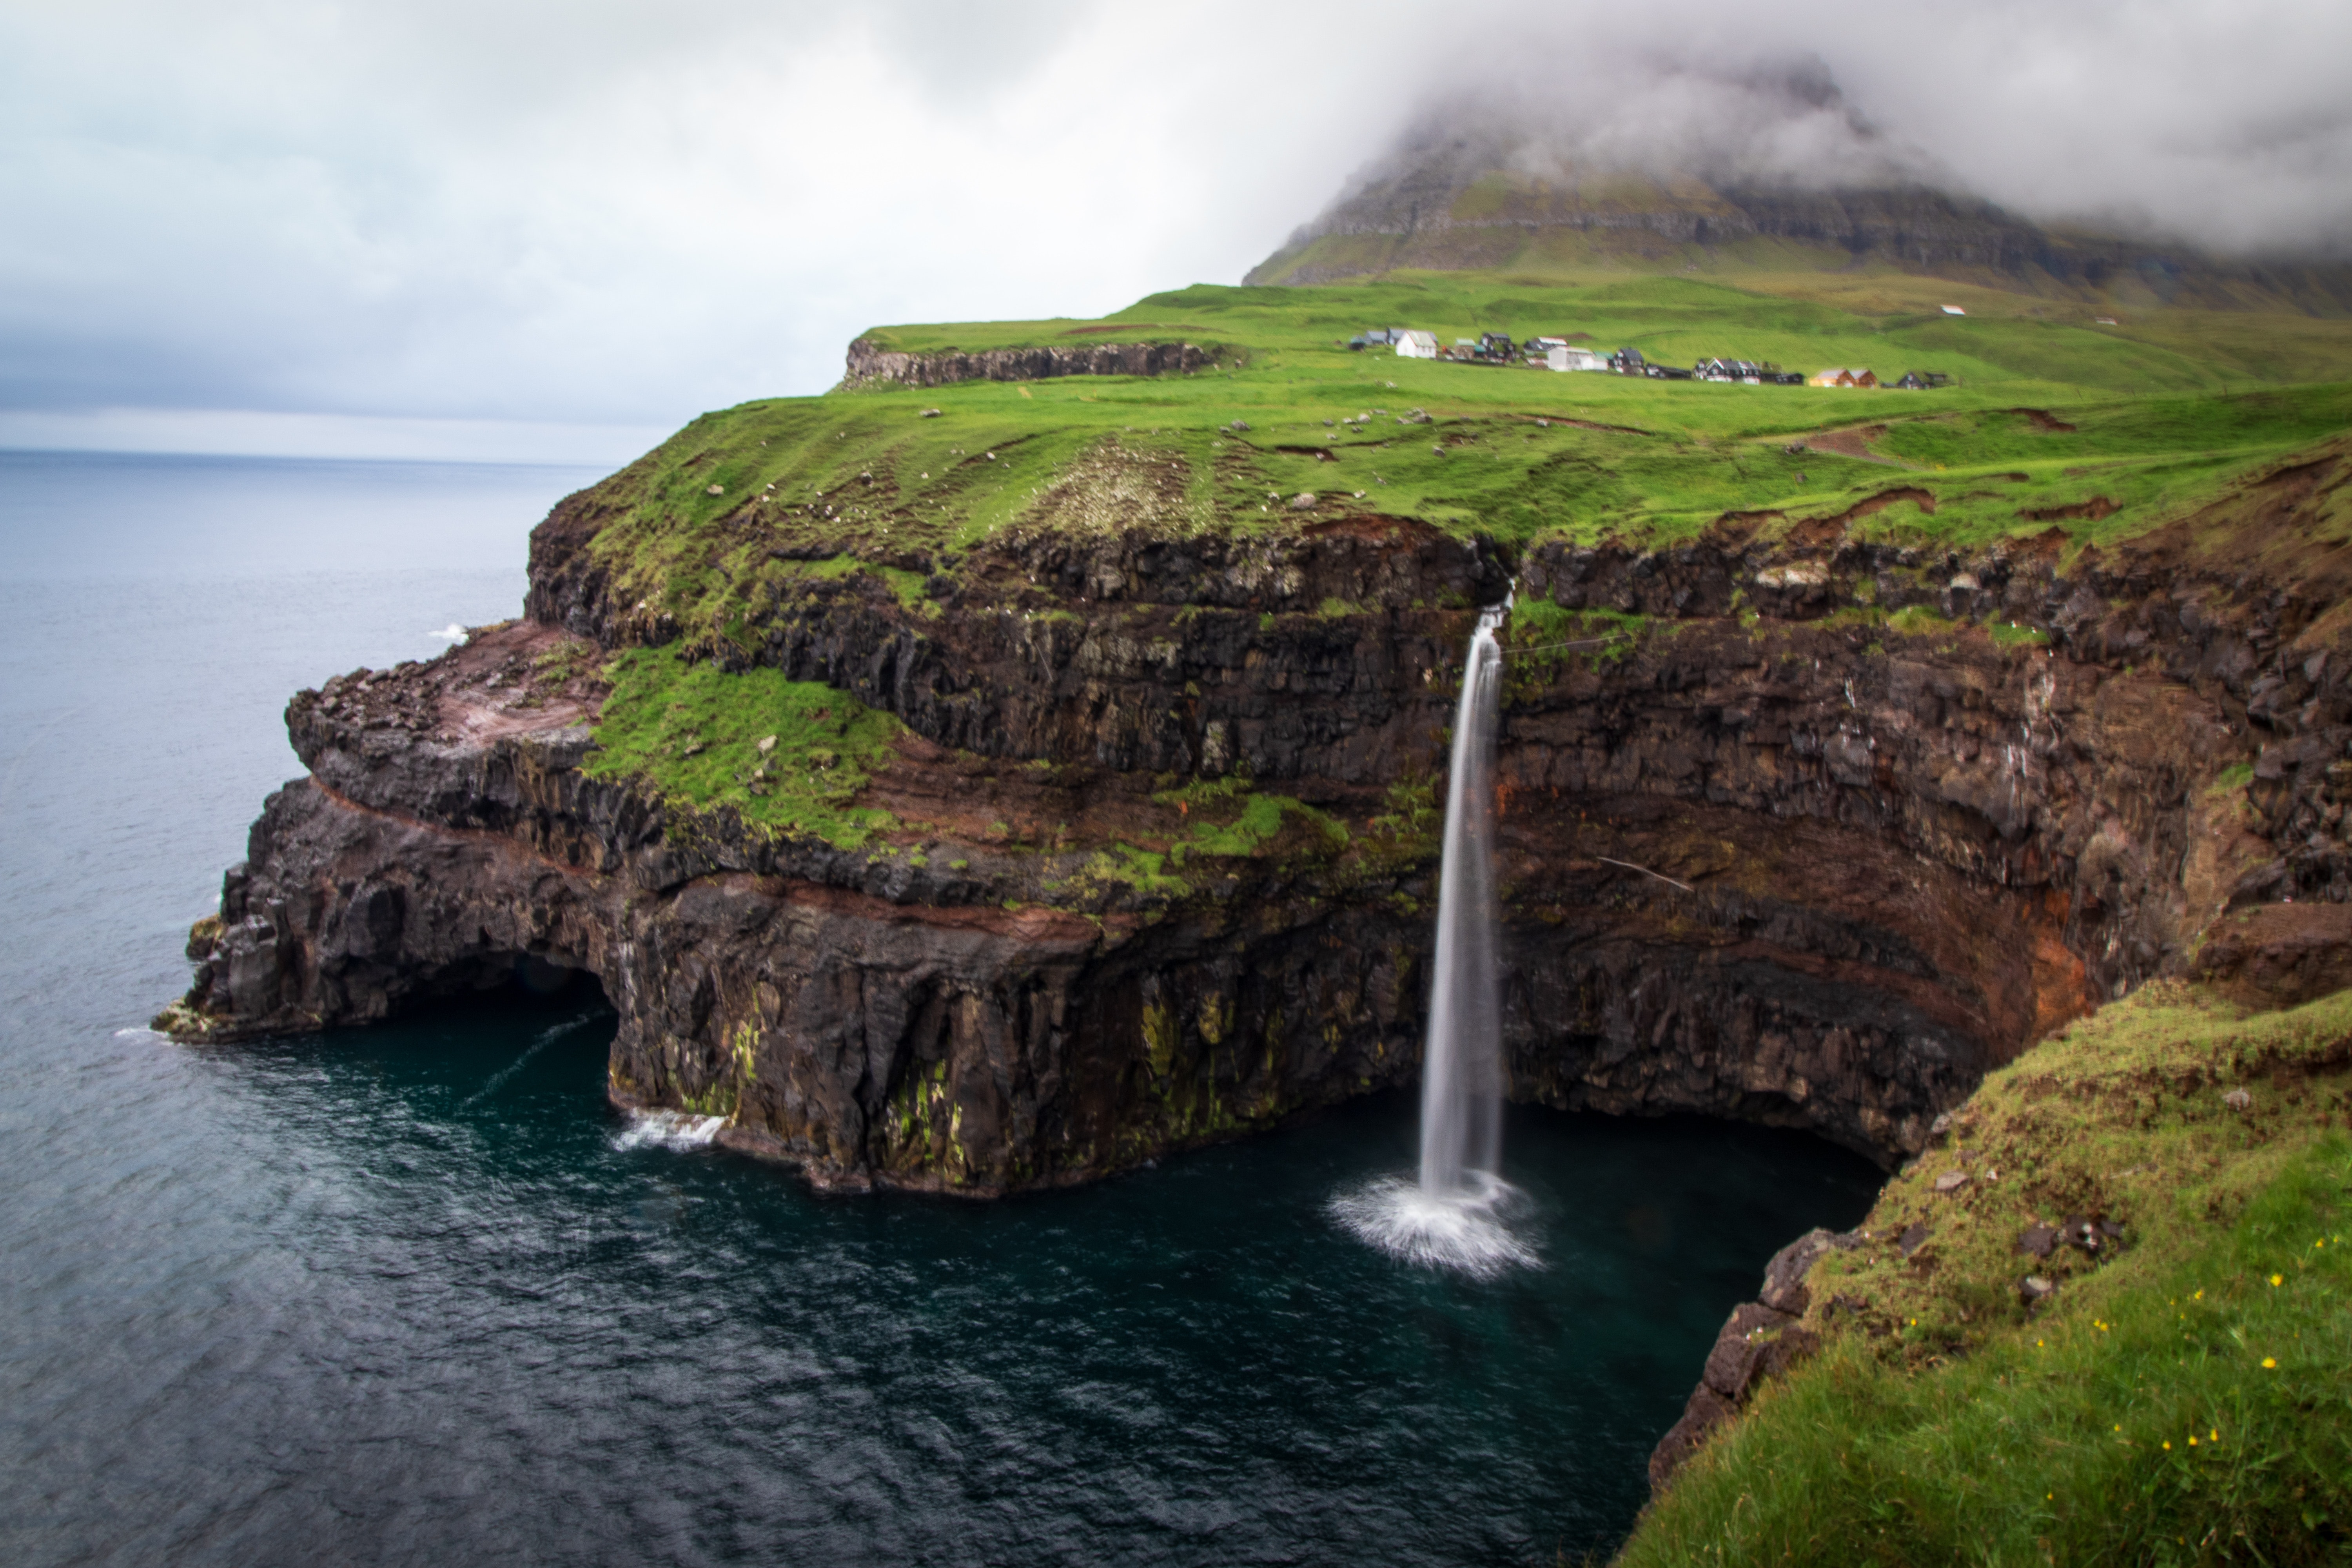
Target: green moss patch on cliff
x,y
790,755
1223,819
2183,1392
1541,638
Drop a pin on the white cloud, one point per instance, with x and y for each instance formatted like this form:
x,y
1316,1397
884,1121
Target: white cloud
x,y
618,214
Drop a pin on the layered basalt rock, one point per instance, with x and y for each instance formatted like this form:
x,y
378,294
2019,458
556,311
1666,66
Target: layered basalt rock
x,y
871,365
1762,856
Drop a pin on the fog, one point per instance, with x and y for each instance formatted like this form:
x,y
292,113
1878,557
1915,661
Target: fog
x,y
289,217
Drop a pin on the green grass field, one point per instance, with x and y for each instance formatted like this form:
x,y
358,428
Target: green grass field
x,y
2131,427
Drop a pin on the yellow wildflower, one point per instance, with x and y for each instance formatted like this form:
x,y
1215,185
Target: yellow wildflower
x,y
2270,1364
2278,1279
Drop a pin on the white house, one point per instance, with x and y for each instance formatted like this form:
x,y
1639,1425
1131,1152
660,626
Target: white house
x,y
1411,344
1566,357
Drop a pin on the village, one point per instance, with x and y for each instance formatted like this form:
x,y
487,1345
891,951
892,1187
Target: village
x,y
1559,355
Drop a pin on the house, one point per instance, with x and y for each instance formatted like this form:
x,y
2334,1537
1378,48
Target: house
x,y
1495,345
1918,380
1838,376
1415,345
1374,337
1567,358
1627,361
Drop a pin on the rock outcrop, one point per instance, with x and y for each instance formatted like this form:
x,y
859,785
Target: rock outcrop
x,y
871,365
1761,1338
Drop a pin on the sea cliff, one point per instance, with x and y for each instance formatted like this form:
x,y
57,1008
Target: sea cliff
x,y
1147,849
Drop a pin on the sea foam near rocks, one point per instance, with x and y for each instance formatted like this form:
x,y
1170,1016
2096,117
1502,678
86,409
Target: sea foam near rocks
x,y
667,1129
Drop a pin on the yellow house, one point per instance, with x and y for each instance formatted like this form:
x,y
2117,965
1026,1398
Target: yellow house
x,y
1838,376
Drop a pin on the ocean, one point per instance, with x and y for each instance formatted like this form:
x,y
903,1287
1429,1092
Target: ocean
x,y
415,1294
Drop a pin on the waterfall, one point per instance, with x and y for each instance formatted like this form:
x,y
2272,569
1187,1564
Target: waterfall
x,y
1456,1215
1461,1082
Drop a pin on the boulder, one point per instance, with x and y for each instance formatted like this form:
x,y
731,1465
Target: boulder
x,y
2278,955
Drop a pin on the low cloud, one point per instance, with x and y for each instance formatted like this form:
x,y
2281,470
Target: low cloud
x,y
608,214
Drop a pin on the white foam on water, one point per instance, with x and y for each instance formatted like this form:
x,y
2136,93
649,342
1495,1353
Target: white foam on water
x,y
1466,1230
143,1037
452,633
667,1129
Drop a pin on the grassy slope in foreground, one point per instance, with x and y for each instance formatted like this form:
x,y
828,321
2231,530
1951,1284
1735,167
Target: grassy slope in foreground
x,y
2190,1400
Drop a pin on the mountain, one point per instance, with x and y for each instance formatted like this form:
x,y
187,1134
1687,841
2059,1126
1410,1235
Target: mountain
x,y
1497,195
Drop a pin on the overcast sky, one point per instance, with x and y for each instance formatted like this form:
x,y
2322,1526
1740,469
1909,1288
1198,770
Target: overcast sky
x,y
520,227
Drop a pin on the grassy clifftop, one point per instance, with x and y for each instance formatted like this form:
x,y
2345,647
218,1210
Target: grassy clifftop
x,y
2101,432
909,498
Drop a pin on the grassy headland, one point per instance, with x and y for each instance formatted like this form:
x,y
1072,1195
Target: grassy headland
x,y
2054,422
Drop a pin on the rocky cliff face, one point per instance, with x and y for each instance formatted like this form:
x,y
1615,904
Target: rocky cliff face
x,y
1763,855
870,365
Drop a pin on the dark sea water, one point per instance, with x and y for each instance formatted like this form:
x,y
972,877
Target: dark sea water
x,y
416,1295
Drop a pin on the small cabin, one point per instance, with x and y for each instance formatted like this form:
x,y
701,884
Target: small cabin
x,y
1920,380
1411,344
1627,361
